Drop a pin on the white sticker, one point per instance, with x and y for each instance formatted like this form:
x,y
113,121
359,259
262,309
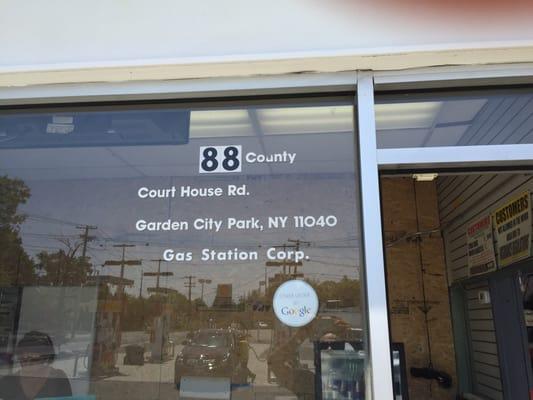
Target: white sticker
x,y
59,129
62,119
295,303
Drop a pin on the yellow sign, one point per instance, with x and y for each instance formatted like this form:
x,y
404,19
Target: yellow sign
x,y
512,224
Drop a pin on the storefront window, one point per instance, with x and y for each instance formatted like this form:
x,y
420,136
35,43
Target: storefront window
x,y
476,117
156,251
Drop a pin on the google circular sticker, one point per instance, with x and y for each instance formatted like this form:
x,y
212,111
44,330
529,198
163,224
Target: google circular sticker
x,y
295,303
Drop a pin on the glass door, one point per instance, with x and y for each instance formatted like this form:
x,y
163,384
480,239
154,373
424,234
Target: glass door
x,y
201,252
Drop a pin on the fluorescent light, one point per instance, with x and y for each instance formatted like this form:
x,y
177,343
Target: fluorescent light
x,y
220,123
301,120
271,121
406,115
427,177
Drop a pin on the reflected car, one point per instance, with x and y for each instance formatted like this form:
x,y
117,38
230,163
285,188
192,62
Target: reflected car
x,y
209,352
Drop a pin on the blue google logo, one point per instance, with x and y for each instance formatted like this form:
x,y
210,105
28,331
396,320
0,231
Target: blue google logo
x,y
301,312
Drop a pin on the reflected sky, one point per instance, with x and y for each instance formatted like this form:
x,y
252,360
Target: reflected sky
x,y
99,186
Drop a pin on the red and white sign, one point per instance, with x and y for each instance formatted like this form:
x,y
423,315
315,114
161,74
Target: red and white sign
x,y
480,247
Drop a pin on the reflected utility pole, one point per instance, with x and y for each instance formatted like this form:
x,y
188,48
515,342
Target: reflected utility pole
x,y
297,244
141,286
189,285
85,237
203,282
123,263
158,274
121,284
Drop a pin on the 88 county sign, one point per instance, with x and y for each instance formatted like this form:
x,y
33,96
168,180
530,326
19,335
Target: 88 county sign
x,y
512,223
220,159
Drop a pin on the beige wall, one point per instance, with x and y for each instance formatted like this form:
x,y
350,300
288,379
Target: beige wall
x,y
65,41
405,290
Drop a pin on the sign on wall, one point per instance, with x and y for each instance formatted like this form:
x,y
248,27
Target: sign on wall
x,y
480,247
512,224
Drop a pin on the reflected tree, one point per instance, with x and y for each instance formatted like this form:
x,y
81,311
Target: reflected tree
x,y
16,267
346,292
199,303
139,312
63,268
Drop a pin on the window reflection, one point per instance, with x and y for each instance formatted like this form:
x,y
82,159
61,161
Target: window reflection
x,y
471,118
127,323
36,377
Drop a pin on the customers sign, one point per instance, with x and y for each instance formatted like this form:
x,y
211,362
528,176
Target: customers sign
x,y
512,224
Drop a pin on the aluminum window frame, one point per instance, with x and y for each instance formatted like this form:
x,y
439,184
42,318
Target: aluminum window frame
x,y
380,357
470,77
185,89
223,90
519,156
371,160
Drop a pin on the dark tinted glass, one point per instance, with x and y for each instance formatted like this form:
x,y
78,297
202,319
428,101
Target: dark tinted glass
x,y
96,126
